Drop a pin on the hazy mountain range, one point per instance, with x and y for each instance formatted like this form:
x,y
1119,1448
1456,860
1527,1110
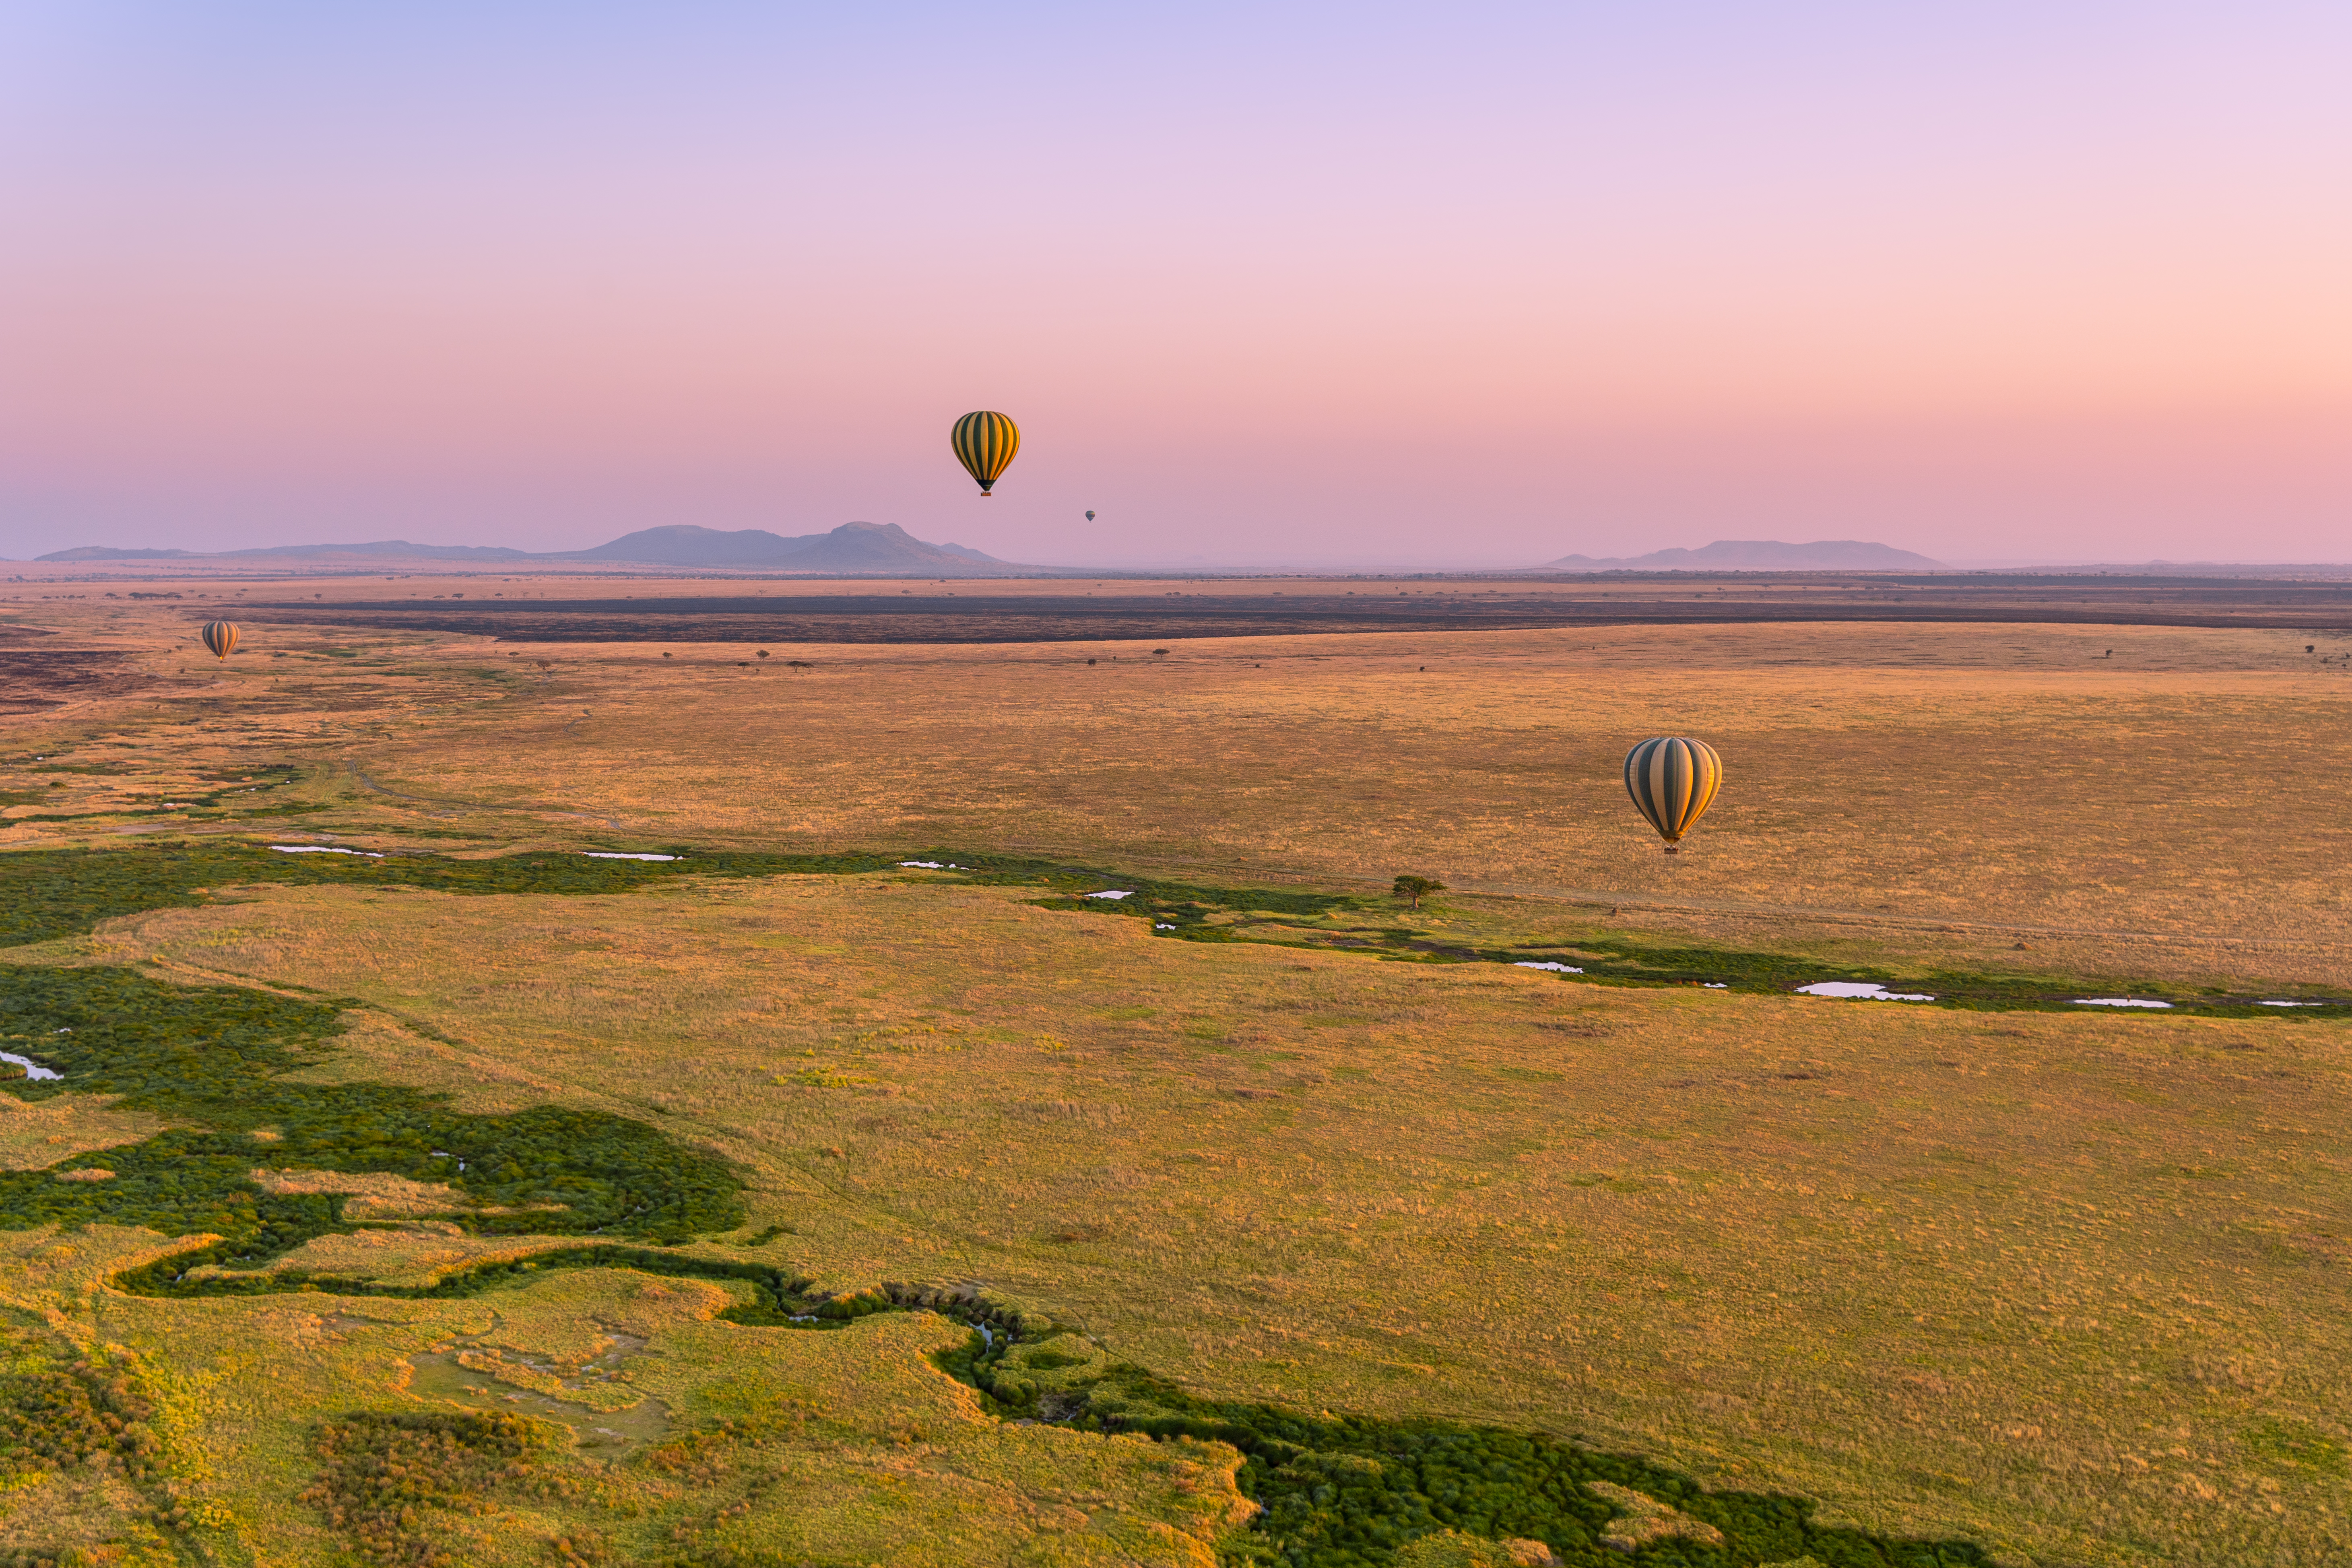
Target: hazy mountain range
x,y
886,550
1756,555
854,548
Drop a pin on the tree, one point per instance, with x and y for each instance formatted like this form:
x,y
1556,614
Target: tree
x,y
1417,887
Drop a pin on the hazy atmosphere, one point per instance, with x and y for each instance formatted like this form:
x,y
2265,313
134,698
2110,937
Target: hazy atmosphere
x,y
1298,786
1324,285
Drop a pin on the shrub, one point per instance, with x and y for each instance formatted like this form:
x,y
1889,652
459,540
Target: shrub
x,y
383,1472
1417,889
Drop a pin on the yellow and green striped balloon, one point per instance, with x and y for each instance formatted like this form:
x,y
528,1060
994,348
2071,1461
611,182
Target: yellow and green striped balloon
x,y
984,444
1672,781
221,638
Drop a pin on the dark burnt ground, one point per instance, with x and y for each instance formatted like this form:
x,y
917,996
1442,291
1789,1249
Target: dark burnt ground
x,y
934,616
855,619
34,679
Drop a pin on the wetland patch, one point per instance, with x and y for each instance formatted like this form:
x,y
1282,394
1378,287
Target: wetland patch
x,y
213,1057
1342,1491
604,1414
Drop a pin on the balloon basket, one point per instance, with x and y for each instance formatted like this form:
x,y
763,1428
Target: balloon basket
x,y
1673,849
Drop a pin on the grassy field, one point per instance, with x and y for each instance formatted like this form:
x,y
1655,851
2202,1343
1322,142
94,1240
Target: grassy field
x,y
2168,807
2072,1287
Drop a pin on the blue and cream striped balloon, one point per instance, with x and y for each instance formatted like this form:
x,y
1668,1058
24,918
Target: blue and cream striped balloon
x,y
1672,781
220,637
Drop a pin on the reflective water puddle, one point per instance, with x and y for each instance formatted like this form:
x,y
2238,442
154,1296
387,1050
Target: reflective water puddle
x,y
1859,990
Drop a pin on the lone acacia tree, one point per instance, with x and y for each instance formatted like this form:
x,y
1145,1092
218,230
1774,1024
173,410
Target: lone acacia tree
x,y
1416,888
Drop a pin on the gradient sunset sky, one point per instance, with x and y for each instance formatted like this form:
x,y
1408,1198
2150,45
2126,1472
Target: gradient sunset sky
x,y
1334,284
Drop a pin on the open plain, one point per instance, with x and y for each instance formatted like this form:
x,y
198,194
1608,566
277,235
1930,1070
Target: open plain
x,y
2065,1284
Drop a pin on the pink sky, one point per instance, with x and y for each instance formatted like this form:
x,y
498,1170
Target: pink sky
x,y
1307,284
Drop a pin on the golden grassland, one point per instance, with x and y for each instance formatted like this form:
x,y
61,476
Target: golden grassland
x,y
2071,1285
2172,809
38,1134
2076,1287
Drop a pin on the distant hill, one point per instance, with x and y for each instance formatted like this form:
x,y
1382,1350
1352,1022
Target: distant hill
x,y
683,544
2320,569
384,547
852,547
100,552
880,548
875,547
1756,555
395,547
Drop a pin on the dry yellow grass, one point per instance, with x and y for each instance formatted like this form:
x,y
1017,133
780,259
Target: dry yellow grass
x,y
2076,1287
39,1133
375,1194
420,1253
2165,810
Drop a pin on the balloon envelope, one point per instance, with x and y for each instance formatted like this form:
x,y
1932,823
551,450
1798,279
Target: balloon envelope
x,y
221,638
984,444
1090,517
1672,781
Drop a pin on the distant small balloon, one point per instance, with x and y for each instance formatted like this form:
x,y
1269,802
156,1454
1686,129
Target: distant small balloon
x,y
1090,517
220,637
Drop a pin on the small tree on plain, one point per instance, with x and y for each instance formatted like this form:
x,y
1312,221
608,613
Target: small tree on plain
x,y
1417,887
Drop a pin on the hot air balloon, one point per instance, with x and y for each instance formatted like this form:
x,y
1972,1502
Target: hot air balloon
x,y
984,444
221,638
1090,517
1672,781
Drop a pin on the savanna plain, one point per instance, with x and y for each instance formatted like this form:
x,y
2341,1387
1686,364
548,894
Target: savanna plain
x,y
465,1198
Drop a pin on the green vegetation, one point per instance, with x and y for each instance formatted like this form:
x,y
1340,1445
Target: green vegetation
x,y
213,1055
63,1557
90,1418
46,894
1603,959
383,1473
1615,960
1417,888
1345,1491
50,893
2290,1443
89,1414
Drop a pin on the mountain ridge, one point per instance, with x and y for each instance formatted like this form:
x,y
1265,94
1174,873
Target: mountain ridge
x,y
881,547
1756,555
